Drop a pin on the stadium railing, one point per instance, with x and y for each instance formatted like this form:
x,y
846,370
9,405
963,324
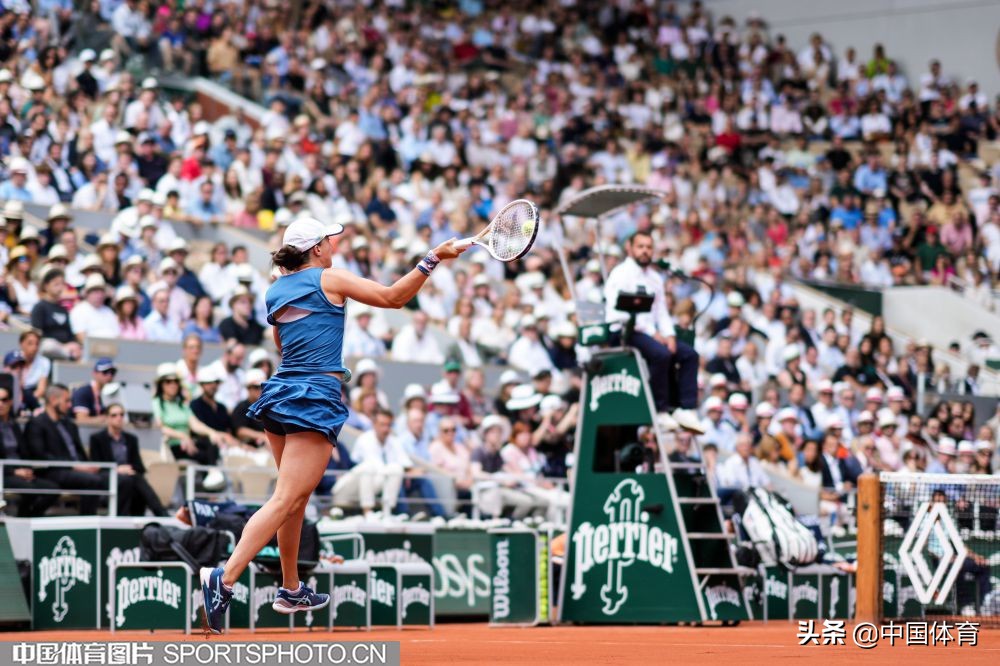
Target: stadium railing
x,y
252,484
111,493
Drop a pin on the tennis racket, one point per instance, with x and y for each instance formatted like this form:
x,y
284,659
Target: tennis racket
x,y
510,234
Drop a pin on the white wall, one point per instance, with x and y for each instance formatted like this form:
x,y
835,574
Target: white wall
x,y
962,34
938,314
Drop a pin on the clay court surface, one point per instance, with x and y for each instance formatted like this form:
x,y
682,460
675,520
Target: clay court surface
x,y
749,643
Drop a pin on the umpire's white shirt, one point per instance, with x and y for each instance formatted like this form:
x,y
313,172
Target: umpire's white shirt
x,y
628,276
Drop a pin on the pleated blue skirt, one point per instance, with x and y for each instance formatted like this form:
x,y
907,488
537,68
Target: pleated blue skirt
x,y
303,401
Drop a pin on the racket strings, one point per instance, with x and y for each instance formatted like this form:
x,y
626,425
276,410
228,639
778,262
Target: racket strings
x,y
513,230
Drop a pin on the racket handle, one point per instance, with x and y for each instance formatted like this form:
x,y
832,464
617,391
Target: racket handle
x,y
464,243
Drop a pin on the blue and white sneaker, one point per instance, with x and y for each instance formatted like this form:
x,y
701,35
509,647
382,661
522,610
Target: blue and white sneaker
x,y
217,598
302,599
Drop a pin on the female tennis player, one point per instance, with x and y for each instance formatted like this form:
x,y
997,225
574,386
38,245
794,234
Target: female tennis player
x,y
300,406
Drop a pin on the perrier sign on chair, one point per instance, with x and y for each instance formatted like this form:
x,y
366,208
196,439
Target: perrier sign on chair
x,y
629,558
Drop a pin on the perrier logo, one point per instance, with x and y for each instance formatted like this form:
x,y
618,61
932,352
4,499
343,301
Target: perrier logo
x,y
156,589
627,537
618,382
63,569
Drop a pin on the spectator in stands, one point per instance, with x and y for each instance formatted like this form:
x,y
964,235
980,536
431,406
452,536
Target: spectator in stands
x,y
202,321
130,323
159,324
366,377
359,340
451,384
261,359
379,465
91,317
179,304
742,471
35,378
497,494
114,445
186,279
19,284
208,410
415,343
187,366
554,436
473,393
173,416
14,447
453,458
217,281
52,320
248,431
718,431
133,273
445,401
229,370
523,462
52,435
840,469
88,400
240,326
528,353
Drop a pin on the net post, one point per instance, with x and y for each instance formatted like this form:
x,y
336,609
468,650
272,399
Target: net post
x,y
868,581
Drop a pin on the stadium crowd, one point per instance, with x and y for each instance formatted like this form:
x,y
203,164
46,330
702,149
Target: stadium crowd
x,y
410,124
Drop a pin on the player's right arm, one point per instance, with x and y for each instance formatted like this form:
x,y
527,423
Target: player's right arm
x,y
339,284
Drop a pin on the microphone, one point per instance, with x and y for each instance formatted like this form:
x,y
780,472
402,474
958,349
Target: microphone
x,y
667,268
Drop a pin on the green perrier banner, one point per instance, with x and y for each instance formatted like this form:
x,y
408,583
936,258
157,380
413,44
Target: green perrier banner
x,y
155,597
66,581
624,562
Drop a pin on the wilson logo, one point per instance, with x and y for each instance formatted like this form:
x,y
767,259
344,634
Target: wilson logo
x,y
501,581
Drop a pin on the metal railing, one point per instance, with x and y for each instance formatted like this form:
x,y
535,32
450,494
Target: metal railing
x,y
111,492
231,473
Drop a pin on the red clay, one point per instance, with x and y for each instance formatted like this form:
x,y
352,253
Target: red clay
x,y
749,643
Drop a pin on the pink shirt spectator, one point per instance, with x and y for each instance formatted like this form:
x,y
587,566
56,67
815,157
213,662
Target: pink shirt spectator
x,y
454,461
136,331
956,238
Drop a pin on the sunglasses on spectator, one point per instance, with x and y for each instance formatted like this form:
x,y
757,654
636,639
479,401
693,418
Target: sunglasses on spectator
x,y
254,386
171,380
446,429
5,400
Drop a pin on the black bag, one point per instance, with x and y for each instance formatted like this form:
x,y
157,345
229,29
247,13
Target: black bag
x,y
196,546
232,517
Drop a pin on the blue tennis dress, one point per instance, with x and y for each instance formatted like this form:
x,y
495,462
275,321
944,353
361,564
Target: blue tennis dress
x,y
299,393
